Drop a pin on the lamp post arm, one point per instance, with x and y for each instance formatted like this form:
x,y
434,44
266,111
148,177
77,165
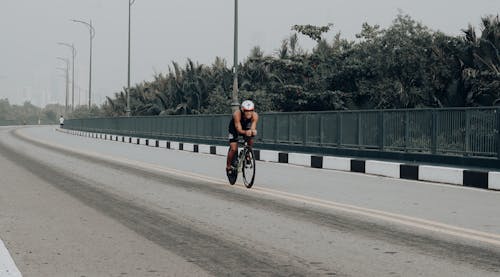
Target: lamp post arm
x,y
92,35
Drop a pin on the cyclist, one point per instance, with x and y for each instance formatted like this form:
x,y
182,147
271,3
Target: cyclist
x,y
243,122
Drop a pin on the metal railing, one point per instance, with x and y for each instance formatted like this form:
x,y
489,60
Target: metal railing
x,y
468,132
5,122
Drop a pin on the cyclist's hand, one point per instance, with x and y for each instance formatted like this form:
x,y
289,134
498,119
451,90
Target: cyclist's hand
x,y
254,133
248,133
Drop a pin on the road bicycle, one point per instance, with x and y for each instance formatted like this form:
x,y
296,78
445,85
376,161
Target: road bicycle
x,y
244,162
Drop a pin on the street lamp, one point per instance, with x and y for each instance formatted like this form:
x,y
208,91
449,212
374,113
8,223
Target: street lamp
x,y
73,53
92,35
130,3
67,82
235,104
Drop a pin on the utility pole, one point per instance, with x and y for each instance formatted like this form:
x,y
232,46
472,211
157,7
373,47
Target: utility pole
x,y
67,83
130,3
73,54
235,104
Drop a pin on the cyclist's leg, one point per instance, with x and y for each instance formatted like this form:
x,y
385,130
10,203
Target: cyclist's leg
x,y
233,148
250,141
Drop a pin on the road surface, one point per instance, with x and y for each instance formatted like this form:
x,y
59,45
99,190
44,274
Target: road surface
x,y
77,206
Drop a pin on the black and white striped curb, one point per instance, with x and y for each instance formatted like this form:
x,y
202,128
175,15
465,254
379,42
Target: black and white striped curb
x,y
438,174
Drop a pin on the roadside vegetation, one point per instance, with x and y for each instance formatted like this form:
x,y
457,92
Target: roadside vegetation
x,y
28,113
406,65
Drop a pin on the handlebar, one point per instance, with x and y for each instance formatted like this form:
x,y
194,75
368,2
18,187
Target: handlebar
x,y
245,140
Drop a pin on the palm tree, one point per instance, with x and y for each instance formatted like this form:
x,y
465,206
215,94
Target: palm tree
x,y
480,63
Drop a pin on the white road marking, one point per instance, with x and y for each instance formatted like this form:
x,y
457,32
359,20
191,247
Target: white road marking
x,y
7,266
424,224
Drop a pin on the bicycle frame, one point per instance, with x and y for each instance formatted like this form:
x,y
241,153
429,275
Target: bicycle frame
x,y
241,154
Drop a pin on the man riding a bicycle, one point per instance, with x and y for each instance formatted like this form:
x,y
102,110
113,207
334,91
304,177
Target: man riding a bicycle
x,y
243,122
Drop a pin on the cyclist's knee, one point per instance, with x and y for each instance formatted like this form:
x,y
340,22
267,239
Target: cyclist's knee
x,y
233,147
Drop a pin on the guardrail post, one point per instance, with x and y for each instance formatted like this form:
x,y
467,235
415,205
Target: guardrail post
x,y
277,133
498,132
289,129
212,129
467,133
407,129
183,122
321,130
304,140
358,124
381,131
261,127
434,132
339,129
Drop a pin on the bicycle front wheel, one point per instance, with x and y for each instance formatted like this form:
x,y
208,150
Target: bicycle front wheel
x,y
248,168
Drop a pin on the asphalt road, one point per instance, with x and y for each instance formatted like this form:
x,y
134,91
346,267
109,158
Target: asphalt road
x,y
75,206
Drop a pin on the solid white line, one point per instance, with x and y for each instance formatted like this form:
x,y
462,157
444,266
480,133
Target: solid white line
x,y
424,224
408,220
7,266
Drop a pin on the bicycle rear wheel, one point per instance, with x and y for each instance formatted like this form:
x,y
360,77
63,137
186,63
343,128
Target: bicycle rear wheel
x,y
248,168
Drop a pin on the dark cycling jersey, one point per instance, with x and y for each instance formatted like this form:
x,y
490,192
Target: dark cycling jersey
x,y
246,124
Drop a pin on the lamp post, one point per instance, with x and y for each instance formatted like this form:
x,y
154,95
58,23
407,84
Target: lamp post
x,y
67,82
65,76
235,104
130,3
92,35
73,53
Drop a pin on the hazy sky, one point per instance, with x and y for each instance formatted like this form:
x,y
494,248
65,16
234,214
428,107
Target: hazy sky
x,y
173,30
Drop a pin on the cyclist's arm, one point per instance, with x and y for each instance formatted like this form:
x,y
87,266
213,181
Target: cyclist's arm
x,y
239,129
237,123
255,119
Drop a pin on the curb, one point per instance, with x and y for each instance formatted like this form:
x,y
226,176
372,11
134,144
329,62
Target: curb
x,y
437,174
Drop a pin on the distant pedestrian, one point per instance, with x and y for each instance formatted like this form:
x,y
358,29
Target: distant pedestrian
x,y
61,121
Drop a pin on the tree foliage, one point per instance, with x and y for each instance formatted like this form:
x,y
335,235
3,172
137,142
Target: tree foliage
x,y
313,32
406,65
27,113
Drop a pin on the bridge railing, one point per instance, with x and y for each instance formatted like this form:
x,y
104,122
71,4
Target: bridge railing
x,y
467,132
